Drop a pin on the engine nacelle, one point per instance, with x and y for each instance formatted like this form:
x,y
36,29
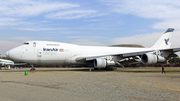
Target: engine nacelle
x,y
102,63
99,63
161,59
150,58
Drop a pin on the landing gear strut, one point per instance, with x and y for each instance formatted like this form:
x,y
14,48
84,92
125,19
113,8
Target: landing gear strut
x,y
32,69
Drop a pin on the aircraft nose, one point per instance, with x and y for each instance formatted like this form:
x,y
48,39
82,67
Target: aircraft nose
x,y
13,54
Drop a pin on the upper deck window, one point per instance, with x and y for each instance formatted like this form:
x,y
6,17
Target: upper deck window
x,y
53,44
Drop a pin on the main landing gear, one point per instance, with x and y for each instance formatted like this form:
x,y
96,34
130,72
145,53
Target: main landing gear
x,y
107,68
111,68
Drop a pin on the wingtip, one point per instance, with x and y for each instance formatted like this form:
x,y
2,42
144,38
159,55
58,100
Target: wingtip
x,y
169,30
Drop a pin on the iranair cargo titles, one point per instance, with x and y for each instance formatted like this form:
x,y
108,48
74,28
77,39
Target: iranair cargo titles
x,y
58,53
50,49
53,49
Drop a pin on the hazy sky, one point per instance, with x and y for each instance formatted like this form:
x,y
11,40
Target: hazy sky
x,y
88,22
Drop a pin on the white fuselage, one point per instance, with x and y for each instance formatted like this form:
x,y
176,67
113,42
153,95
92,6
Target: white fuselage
x,y
6,62
46,53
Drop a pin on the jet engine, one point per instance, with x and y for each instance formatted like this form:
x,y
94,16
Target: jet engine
x,y
150,58
102,63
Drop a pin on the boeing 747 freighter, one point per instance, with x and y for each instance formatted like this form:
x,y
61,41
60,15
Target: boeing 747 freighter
x,y
57,53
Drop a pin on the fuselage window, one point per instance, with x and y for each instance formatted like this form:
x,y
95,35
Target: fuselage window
x,y
53,44
34,44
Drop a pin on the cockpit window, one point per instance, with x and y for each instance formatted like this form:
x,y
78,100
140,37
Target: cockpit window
x,y
26,43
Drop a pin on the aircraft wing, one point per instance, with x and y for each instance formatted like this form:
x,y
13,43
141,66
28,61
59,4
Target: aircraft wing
x,y
171,49
20,64
126,55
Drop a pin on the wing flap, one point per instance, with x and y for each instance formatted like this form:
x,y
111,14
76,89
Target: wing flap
x,y
171,49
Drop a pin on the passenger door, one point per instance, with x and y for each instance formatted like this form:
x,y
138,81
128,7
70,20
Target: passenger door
x,y
39,53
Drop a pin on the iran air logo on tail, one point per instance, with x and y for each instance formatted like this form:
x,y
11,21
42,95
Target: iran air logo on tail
x,y
166,41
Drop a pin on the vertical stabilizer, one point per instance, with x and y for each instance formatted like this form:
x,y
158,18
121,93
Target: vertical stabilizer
x,y
165,40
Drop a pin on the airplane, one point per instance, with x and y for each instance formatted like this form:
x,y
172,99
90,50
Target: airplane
x,y
57,53
7,63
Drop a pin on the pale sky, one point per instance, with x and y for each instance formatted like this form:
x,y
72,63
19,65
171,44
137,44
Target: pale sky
x,y
88,22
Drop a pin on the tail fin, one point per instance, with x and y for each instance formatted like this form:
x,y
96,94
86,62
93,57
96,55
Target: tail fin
x,y
165,40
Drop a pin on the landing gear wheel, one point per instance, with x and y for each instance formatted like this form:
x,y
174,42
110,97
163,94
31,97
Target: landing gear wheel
x,y
96,68
108,68
111,68
115,68
32,69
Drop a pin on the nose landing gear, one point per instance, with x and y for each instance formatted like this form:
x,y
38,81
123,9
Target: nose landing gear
x,y
33,68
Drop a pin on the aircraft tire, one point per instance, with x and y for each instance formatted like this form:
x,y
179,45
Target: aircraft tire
x,y
111,68
96,69
32,69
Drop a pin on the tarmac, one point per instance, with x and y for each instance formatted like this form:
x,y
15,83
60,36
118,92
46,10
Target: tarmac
x,y
83,84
